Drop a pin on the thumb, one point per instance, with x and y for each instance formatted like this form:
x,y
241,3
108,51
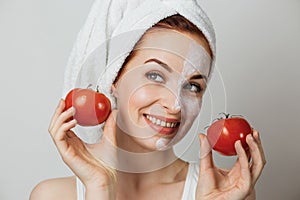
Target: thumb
x,y
105,150
108,132
206,160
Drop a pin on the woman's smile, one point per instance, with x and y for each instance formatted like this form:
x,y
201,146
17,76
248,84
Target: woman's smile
x,y
162,125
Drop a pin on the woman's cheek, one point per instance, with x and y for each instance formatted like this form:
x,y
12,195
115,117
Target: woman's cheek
x,y
142,97
132,103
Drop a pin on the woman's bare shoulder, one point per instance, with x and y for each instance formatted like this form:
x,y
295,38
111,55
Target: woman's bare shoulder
x,y
57,188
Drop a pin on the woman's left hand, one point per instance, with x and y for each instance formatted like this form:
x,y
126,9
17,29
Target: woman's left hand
x,y
237,183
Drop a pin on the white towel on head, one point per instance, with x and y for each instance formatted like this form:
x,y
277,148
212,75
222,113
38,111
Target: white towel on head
x,y
109,34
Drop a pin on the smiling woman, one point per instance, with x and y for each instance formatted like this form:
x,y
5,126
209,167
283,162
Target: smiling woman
x,y
156,88
160,89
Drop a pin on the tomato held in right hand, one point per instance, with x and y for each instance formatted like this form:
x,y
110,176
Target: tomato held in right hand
x,y
92,107
223,134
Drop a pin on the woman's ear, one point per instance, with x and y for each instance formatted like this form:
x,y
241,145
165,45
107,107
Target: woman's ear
x,y
114,90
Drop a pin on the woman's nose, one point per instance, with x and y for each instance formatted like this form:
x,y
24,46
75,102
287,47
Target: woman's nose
x,y
170,101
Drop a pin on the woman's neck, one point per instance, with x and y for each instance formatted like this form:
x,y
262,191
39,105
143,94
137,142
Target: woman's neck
x,y
140,167
173,173
135,158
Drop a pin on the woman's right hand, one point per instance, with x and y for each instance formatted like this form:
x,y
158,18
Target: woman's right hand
x,y
94,174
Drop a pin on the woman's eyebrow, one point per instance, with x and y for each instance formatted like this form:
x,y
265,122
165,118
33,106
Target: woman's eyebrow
x,y
169,69
199,76
164,65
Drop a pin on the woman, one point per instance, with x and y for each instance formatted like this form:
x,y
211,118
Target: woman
x,y
157,92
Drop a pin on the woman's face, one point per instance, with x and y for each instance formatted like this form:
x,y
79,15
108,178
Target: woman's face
x,y
159,92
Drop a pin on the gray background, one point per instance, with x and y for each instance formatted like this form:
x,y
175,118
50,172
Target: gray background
x,y
257,75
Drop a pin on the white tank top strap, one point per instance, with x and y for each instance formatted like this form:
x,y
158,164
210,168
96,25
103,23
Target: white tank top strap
x,y
80,189
190,186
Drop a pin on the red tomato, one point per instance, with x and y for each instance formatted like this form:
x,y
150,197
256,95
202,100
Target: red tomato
x,y
92,108
223,133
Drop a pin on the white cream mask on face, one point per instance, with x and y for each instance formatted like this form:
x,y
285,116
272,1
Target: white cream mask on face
x,y
196,66
196,62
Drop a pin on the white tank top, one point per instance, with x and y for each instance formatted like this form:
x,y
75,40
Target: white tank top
x,y
189,186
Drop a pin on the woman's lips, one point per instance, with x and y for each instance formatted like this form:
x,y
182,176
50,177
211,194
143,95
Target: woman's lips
x,y
162,125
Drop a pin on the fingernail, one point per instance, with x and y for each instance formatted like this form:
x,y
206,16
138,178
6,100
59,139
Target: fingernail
x,y
201,140
238,143
72,109
250,136
257,135
60,102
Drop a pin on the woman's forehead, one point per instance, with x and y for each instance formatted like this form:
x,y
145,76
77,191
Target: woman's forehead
x,y
173,41
174,49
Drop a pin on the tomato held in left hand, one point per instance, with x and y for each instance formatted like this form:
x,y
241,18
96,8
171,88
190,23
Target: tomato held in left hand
x,y
92,107
223,133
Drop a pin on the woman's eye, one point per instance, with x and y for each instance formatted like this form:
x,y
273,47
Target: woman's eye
x,y
155,76
193,87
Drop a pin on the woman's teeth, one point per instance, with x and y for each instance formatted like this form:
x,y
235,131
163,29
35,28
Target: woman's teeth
x,y
162,123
